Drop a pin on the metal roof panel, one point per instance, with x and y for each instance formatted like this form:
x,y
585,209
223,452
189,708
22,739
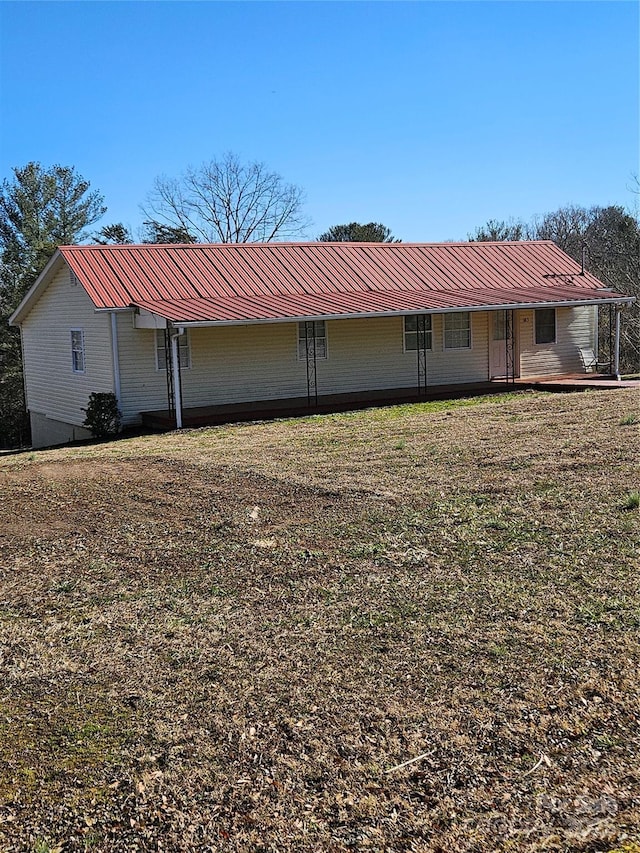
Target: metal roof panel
x,y
293,306
267,281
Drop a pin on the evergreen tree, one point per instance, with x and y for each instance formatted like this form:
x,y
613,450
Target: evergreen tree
x,y
354,232
495,231
159,232
40,209
115,234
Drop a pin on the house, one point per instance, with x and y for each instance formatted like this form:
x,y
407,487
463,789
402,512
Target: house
x,y
187,328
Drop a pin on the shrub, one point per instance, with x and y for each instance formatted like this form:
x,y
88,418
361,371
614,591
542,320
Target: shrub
x,y
632,500
103,415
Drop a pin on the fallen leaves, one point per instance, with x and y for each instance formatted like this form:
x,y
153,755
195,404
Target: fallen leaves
x,y
258,638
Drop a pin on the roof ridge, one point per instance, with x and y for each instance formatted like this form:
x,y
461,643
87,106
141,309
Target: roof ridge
x,y
473,244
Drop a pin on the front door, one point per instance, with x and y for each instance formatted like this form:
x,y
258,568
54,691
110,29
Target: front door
x,y
498,345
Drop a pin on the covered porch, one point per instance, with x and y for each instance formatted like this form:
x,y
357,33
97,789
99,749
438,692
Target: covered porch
x,y
501,341
324,404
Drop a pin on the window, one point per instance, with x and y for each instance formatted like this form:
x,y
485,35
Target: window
x,y
457,330
545,325
77,351
184,350
312,334
499,325
411,332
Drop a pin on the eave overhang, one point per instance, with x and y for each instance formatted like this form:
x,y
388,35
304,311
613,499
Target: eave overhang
x,y
171,313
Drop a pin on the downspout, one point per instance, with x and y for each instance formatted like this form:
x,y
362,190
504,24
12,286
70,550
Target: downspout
x,y
616,347
175,367
116,359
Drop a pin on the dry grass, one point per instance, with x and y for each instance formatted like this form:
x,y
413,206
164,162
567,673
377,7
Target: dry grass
x,y
230,639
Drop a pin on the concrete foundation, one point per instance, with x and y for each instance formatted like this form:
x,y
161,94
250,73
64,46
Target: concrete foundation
x,y
46,432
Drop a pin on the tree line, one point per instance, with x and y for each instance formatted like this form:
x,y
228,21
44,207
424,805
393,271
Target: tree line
x,y
228,201
607,240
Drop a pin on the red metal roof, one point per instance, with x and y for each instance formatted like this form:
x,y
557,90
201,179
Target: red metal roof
x,y
274,281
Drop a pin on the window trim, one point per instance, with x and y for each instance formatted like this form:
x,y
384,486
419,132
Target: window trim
x,y
444,330
82,350
300,353
185,348
536,314
428,332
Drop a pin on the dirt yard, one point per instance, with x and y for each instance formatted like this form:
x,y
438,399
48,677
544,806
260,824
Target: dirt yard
x,y
404,629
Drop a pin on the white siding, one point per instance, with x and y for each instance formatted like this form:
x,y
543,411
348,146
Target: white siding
x,y
53,389
239,363
142,387
575,328
234,364
228,365
369,355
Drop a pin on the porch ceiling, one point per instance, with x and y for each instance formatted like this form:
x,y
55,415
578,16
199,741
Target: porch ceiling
x,y
275,308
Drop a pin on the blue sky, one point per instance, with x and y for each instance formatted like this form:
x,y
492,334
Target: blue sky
x,y
431,117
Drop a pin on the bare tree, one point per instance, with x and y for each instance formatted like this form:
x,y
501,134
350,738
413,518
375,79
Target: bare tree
x,y
226,201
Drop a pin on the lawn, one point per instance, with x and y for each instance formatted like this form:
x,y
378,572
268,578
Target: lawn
x,y
413,628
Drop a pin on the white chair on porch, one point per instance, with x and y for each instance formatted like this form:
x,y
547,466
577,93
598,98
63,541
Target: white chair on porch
x,y
590,361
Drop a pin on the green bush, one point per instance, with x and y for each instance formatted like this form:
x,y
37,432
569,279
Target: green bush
x,y
103,415
632,501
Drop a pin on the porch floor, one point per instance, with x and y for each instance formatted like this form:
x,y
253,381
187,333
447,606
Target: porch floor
x,y
576,382
299,406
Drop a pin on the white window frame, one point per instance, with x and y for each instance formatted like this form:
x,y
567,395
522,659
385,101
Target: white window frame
x,y
301,349
414,332
446,331
536,314
184,350
78,350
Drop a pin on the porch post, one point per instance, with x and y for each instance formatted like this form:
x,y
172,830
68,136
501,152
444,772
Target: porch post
x,y
115,358
311,358
421,353
175,369
510,367
616,348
